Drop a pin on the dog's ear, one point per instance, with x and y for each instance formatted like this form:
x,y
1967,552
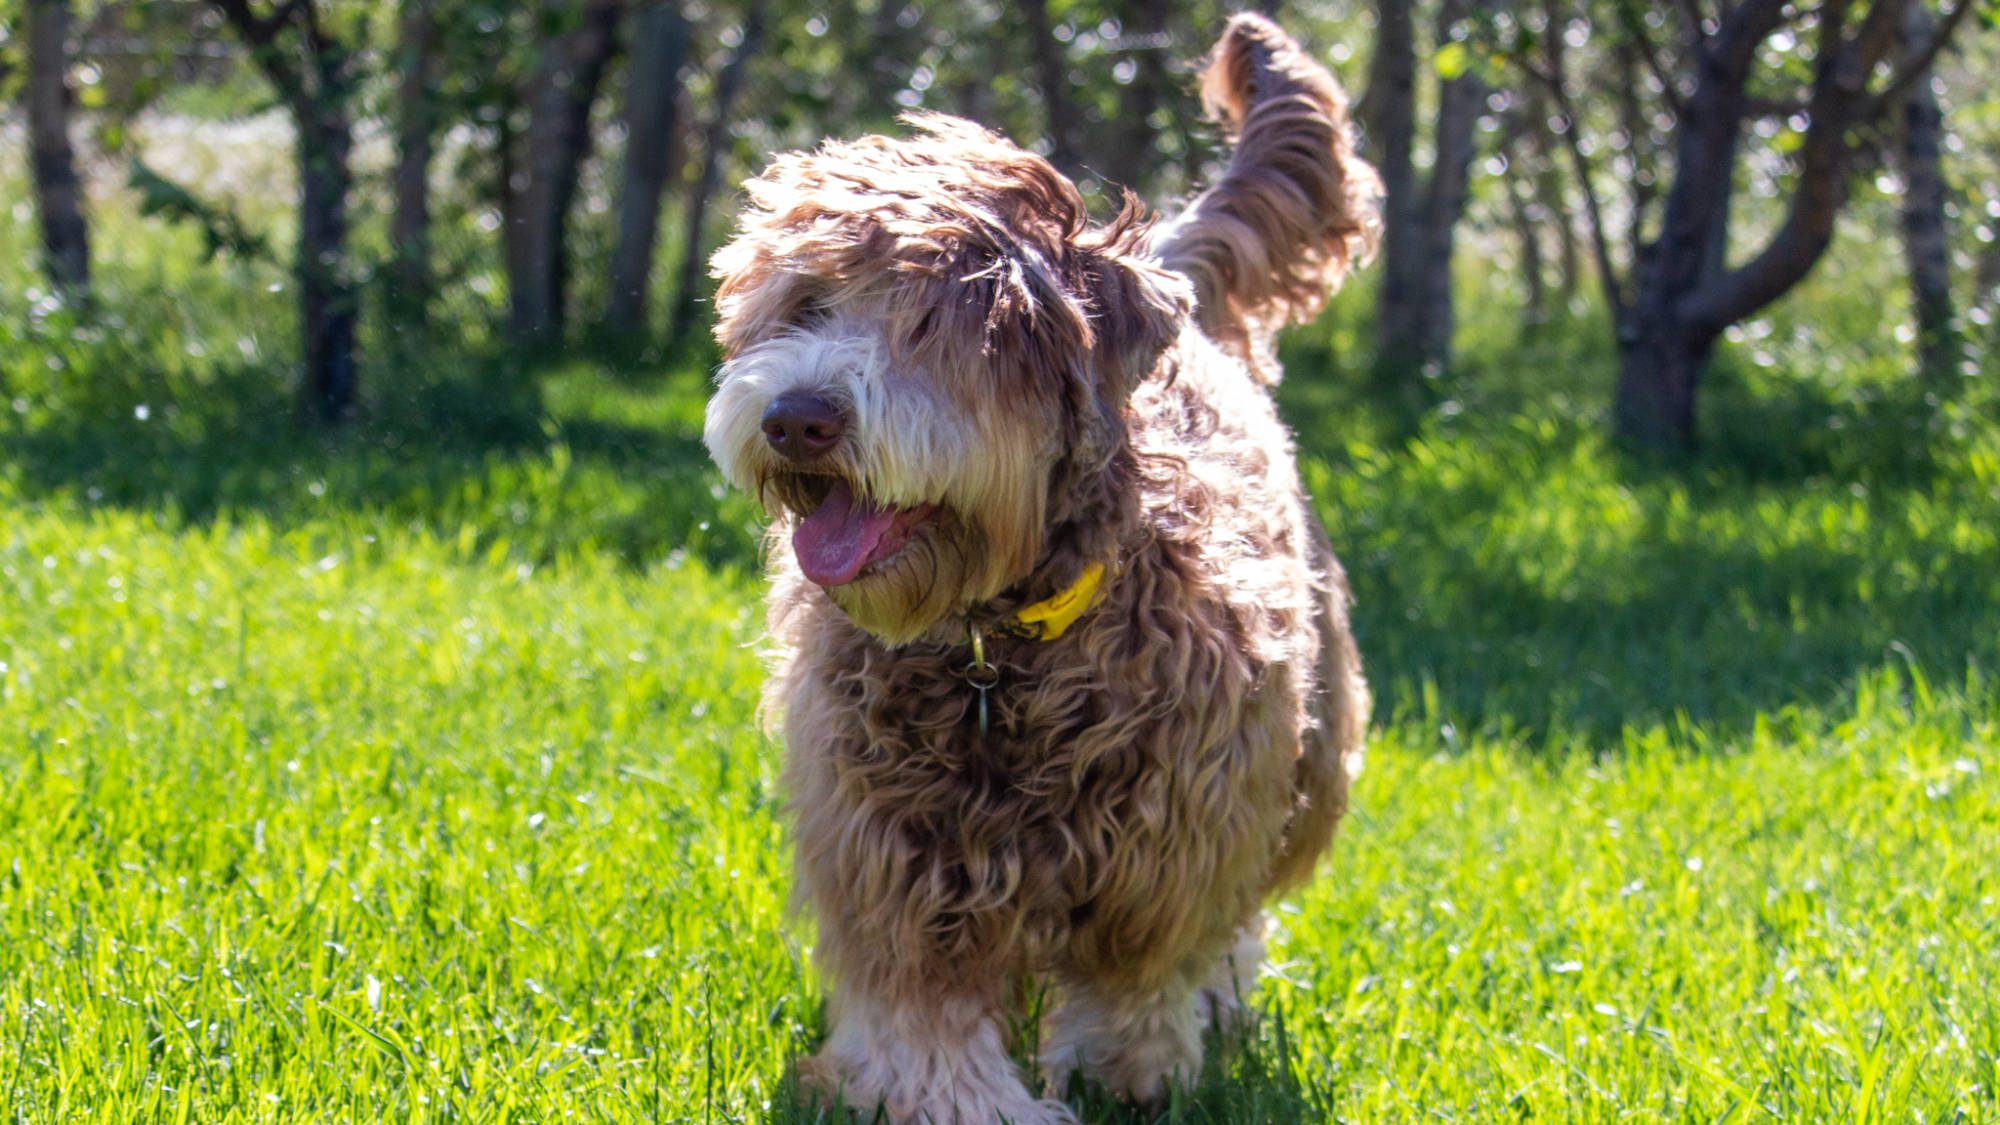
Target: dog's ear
x,y
1137,309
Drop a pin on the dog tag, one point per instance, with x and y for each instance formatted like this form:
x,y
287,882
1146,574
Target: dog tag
x,y
981,673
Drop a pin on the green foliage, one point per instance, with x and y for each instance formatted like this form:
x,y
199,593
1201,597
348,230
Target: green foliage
x,y
1452,60
413,774
219,226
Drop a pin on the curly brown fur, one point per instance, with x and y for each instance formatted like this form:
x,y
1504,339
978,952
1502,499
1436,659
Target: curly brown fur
x,y
1295,209
1025,395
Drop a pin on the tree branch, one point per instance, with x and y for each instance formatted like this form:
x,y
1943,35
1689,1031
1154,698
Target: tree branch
x,y
1919,63
1633,119
1743,28
257,31
1839,88
260,34
1874,41
1649,53
1696,34
1600,243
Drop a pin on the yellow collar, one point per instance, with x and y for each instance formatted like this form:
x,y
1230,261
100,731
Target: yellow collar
x,y
1051,617
1045,620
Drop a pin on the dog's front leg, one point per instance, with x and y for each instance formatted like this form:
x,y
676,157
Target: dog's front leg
x,y
1137,1041
933,1056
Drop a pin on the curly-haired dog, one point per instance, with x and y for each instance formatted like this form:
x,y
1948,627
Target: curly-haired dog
x,y
1061,654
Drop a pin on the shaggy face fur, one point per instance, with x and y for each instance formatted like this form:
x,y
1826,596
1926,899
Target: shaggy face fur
x,y
944,293
999,395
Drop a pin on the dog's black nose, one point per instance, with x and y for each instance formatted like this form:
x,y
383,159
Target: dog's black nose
x,y
802,426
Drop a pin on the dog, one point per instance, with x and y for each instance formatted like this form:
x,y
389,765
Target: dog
x,y
1061,656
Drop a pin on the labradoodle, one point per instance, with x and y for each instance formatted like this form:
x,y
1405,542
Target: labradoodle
x,y
1062,659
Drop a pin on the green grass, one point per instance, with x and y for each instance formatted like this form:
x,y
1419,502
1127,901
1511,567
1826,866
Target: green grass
x,y
411,774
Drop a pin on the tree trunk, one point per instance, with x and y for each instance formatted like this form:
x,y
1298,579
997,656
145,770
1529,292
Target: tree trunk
x,y
652,99
328,303
1535,310
1391,105
727,83
1660,354
1052,81
1682,304
554,145
1986,275
416,128
1634,121
1130,152
1415,317
316,76
888,68
1659,370
1926,247
1459,103
58,191
1542,184
1551,199
506,172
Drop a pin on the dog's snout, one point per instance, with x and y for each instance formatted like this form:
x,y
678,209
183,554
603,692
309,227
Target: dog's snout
x,y
802,426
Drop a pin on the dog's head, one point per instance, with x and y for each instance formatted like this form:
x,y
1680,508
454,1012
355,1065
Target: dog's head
x,y
928,351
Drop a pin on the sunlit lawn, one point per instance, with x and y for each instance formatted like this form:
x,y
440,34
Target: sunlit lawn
x,y
412,774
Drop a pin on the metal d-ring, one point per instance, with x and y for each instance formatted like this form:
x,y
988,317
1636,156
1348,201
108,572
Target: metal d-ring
x,y
980,673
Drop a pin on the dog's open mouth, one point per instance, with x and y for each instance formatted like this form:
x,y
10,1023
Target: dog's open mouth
x,y
842,535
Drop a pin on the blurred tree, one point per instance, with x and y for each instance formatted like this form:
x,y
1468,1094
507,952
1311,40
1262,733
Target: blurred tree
x,y
1390,123
652,143
417,112
1537,204
1551,195
1414,315
886,60
1052,82
1682,292
715,145
315,74
1129,151
1926,242
1986,278
1521,216
542,179
221,228
58,191
1650,119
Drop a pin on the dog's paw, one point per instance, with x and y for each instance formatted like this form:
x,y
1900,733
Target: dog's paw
x,y
965,1098
1136,1047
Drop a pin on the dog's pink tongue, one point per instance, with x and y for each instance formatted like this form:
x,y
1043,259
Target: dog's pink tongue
x,y
840,537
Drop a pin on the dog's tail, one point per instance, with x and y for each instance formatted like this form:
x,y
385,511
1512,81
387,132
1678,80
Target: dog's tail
x,y
1295,208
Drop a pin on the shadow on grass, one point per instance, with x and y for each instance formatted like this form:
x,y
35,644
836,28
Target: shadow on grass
x,y
1516,576
1716,638
1804,432
1513,574
1257,1080
541,457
